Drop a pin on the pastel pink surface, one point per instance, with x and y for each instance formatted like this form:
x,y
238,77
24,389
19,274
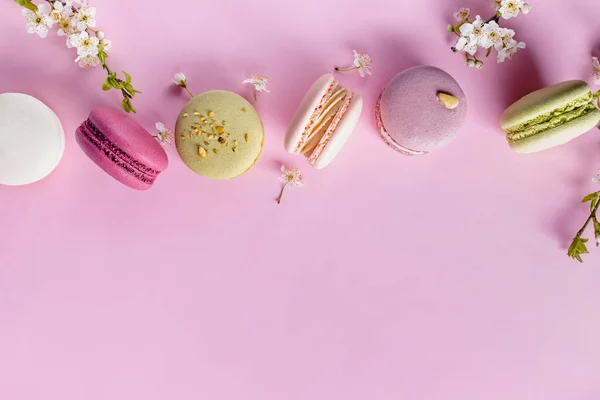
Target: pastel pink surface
x,y
140,152
410,114
384,278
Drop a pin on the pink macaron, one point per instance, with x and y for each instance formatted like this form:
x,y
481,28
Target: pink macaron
x,y
420,110
323,122
122,148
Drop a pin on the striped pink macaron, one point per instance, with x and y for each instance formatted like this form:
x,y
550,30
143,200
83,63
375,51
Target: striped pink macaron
x,y
411,116
122,148
323,122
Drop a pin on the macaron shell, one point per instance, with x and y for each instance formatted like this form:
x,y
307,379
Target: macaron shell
x,y
130,137
342,133
309,103
542,102
32,140
412,114
559,135
237,117
108,165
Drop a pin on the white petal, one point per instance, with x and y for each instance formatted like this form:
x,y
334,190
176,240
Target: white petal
x,y
462,42
466,29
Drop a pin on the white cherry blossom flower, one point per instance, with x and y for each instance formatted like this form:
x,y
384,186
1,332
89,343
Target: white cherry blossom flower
x,y
291,177
107,44
510,51
180,79
473,31
507,38
462,14
465,44
66,27
596,179
511,8
88,61
259,82
38,21
363,63
86,44
492,36
62,10
525,8
596,72
86,17
165,135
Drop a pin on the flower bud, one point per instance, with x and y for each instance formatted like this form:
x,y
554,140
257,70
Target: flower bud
x,y
471,63
478,64
450,28
100,35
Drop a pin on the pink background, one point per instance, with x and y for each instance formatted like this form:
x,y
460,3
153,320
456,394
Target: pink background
x,y
386,277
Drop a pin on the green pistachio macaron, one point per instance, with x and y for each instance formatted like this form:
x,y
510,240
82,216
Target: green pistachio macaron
x,y
550,117
219,135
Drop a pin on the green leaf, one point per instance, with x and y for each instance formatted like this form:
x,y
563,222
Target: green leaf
x,y
27,4
488,52
130,89
115,83
591,197
127,77
107,85
578,248
102,56
127,106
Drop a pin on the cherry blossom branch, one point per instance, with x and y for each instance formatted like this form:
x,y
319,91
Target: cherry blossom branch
x,y
489,35
77,23
578,247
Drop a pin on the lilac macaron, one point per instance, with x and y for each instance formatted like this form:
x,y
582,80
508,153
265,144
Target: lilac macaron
x,y
420,110
122,148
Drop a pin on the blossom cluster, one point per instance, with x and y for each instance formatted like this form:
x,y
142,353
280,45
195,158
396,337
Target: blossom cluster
x,y
73,19
596,70
477,34
76,20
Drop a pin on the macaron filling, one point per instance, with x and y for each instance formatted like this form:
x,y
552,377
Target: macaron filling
x,y
116,155
386,136
569,112
324,121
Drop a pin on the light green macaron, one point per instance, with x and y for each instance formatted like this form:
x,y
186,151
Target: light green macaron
x,y
219,135
550,117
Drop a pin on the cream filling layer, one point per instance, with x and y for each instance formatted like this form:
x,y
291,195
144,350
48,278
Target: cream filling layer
x,y
315,115
553,122
324,120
